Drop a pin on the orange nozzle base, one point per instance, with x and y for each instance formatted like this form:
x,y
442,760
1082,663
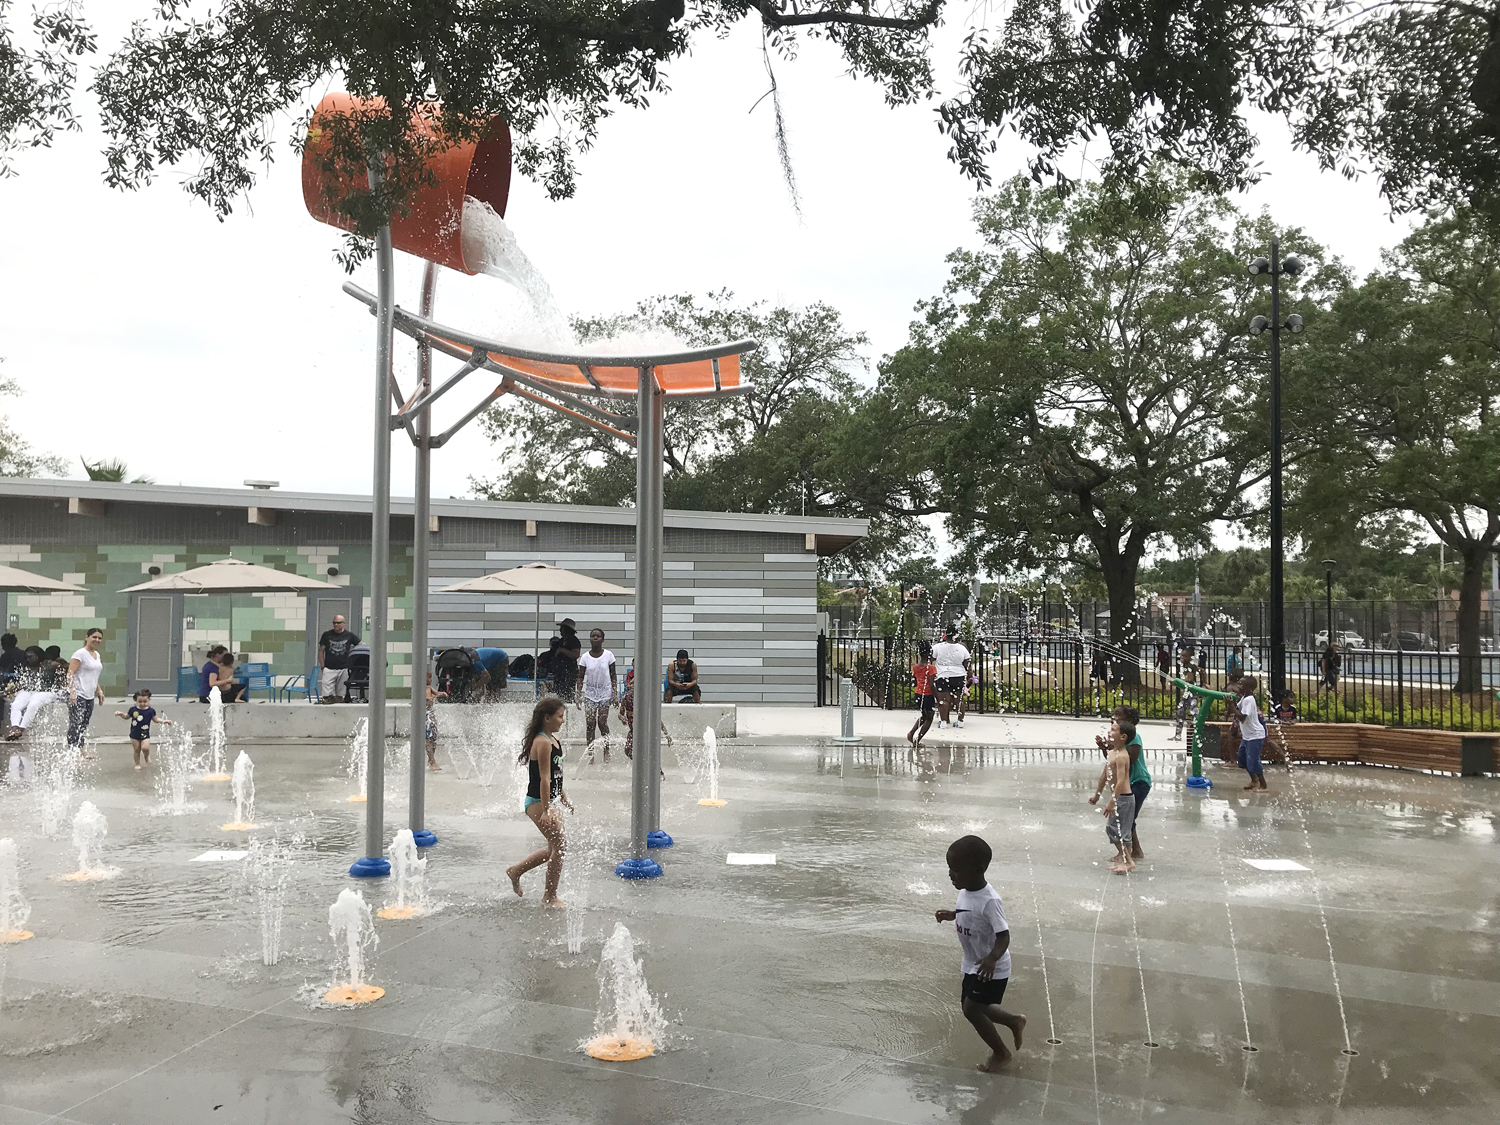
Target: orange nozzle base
x,y
216,777
611,1048
10,937
79,876
357,797
398,912
236,826
350,995
713,802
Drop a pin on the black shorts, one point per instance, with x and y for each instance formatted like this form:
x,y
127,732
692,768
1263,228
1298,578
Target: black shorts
x,y
927,703
983,991
954,684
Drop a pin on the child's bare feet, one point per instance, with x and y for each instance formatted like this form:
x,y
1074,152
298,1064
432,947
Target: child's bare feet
x,y
515,881
995,1062
554,902
137,767
1016,1028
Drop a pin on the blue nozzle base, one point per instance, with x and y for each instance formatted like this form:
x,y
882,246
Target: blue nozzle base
x,y
424,837
1199,782
656,838
643,868
371,867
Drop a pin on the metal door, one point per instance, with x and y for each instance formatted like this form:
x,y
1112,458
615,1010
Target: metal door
x,y
321,609
153,646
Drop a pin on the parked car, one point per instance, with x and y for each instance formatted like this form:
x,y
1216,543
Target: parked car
x,y
1345,639
1410,641
1486,644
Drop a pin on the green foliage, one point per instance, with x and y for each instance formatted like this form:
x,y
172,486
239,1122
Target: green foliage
x,y
206,85
36,81
17,457
1398,404
114,470
1407,89
1085,390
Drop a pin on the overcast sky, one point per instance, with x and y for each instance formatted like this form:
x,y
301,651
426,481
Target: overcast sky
x,y
205,353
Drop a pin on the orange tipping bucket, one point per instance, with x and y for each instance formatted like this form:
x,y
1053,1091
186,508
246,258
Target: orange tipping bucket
x,y
432,226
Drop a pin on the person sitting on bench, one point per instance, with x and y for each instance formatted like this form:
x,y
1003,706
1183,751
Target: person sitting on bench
x,y
682,679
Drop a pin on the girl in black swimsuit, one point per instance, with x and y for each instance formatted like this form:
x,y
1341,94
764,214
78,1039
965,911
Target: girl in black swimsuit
x,y
541,744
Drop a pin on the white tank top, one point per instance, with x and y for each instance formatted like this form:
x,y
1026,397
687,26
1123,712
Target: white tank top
x,y
86,679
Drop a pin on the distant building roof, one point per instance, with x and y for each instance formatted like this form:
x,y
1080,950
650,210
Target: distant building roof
x,y
832,533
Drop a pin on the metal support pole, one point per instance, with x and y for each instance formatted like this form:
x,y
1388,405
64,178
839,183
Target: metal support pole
x,y
374,862
648,691
420,542
655,836
1278,544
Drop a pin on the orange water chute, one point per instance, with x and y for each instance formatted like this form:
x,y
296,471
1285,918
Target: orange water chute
x,y
432,226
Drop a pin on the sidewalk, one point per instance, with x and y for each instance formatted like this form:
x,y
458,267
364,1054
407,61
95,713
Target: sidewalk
x,y
781,721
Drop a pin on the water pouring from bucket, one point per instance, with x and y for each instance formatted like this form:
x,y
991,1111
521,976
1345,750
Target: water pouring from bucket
x,y
350,926
629,1024
243,785
711,755
14,909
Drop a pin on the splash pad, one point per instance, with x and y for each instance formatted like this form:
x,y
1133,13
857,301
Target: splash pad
x,y
469,181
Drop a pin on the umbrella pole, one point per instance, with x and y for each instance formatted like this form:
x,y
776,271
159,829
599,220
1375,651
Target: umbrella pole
x,y
647,716
374,863
421,509
536,645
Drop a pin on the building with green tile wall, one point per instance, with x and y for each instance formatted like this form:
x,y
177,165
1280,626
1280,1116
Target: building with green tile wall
x,y
740,591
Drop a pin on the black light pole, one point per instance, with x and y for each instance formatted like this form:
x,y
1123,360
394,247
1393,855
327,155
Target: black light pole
x,y
1328,565
1291,267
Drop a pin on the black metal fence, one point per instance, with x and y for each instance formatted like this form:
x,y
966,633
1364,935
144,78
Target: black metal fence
x,y
1073,676
1414,625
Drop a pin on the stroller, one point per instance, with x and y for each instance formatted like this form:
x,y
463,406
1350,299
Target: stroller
x,y
458,674
359,674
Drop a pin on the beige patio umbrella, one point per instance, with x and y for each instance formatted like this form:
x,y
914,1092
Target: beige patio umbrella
x,y
24,582
230,577
537,579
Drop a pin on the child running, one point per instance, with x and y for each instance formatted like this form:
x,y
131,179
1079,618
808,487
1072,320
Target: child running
x,y
984,937
924,677
1140,776
541,744
141,716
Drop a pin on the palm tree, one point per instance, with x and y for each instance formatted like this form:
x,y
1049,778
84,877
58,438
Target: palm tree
x,y
112,471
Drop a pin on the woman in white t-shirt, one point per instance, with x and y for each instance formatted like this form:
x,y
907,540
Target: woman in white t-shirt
x,y
598,666
83,687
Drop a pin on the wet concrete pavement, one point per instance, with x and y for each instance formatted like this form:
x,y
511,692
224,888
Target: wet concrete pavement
x,y
818,989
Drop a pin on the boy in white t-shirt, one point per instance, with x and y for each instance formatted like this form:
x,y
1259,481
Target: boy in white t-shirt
x,y
984,937
1252,732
